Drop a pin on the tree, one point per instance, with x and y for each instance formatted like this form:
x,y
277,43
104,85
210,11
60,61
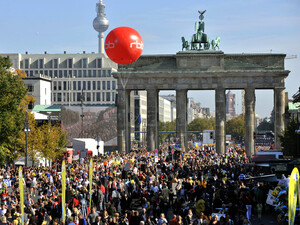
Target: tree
x,y
266,125
13,91
166,126
288,139
236,127
200,124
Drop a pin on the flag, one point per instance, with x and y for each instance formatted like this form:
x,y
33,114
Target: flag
x,y
91,181
63,189
21,194
293,189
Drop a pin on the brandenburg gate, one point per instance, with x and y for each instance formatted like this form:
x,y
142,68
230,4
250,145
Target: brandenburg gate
x,y
198,69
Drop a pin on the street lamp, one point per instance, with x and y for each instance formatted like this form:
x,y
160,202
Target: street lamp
x,y
98,146
26,130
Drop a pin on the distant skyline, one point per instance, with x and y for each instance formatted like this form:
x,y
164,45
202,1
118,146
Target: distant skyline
x,y
257,26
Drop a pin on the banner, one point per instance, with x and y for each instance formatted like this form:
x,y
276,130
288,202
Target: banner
x,y
21,194
91,181
63,190
271,199
293,195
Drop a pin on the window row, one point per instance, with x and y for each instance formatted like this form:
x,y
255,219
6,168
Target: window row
x,y
58,63
87,97
83,85
69,73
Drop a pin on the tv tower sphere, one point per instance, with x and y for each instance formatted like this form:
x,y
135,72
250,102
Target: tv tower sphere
x,y
100,23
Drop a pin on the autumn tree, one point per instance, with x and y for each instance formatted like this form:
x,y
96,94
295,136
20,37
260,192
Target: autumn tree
x,y
200,124
13,91
236,127
288,139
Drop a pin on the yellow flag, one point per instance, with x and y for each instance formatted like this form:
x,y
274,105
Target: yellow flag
x,y
293,189
21,194
91,181
63,189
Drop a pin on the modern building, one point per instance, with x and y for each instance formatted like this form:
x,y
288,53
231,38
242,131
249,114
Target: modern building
x,y
74,74
39,87
230,104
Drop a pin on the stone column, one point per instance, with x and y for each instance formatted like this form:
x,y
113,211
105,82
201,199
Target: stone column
x,y
249,120
152,119
121,120
181,118
128,121
220,120
279,98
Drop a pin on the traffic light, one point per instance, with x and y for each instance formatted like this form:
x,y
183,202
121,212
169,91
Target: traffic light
x,y
211,135
254,135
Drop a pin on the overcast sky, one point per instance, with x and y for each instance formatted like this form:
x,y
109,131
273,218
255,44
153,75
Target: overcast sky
x,y
249,26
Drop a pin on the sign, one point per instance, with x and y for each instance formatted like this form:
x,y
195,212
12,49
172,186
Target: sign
x,y
7,182
271,199
177,145
127,166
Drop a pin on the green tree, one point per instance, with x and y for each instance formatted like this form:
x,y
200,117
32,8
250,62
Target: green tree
x,y
288,139
13,91
201,124
166,126
236,127
266,125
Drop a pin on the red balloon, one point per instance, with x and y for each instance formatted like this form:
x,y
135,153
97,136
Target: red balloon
x,y
124,45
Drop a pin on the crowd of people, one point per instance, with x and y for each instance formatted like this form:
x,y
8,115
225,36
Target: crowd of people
x,y
139,188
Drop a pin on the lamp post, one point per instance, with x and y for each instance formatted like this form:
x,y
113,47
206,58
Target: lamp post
x,y
26,130
98,146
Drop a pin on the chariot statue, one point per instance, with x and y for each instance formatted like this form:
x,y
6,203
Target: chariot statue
x,y
200,40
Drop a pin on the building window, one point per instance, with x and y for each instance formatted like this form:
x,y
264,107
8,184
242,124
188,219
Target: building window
x,y
99,73
98,96
99,63
30,88
108,96
59,97
60,74
84,85
103,96
65,85
55,63
79,85
54,97
94,73
54,85
89,85
103,85
46,72
84,73
59,85
78,96
103,73
74,85
113,94
98,85
79,73
50,73
108,85
41,63
88,96
74,97
31,73
41,71
84,63
70,63
113,85
30,105
94,85
90,73
26,63
75,73
109,73
65,73
55,73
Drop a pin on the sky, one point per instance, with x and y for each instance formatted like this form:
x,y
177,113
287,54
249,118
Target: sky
x,y
249,26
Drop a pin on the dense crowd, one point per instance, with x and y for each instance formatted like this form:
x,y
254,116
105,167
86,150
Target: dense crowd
x,y
199,187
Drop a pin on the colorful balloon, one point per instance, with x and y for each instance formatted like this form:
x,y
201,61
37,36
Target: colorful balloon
x,y
124,45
